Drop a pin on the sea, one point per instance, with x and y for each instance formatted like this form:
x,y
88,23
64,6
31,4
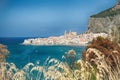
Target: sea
x,y
21,55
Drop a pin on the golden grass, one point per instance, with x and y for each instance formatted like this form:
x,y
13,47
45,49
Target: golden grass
x,y
100,61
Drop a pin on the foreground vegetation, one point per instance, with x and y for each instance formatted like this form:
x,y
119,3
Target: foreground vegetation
x,y
100,61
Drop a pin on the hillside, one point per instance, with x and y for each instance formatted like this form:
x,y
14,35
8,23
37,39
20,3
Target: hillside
x,y
107,21
111,12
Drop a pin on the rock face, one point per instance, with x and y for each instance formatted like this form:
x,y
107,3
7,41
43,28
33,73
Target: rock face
x,y
105,25
107,21
97,25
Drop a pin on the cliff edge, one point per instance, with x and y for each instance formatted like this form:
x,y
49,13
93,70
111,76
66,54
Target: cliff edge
x,y
107,21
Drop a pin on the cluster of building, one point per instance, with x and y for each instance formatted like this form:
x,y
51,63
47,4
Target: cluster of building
x,y
70,38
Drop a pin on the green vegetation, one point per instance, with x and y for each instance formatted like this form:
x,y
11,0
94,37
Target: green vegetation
x,y
107,13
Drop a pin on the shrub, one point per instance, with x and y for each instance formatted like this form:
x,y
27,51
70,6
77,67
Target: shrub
x,y
107,47
104,55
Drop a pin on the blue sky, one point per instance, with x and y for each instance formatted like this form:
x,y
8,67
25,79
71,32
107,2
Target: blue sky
x,y
43,18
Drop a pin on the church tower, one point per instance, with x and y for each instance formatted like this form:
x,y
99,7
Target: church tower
x,y
65,34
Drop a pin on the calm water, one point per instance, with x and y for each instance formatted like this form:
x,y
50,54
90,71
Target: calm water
x,y
23,54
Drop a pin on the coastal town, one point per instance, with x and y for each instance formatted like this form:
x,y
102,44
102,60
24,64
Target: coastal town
x,y
69,38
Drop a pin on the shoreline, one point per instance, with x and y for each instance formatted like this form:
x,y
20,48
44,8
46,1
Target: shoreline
x,y
68,39
54,45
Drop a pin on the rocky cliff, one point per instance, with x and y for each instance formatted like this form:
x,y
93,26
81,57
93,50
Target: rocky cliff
x,y
107,21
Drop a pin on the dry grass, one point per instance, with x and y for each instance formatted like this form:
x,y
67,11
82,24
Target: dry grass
x,y
100,61
104,55
3,54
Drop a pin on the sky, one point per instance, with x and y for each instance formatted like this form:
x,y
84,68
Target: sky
x,y
44,18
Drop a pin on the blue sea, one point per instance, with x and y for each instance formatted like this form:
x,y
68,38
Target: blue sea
x,y
20,54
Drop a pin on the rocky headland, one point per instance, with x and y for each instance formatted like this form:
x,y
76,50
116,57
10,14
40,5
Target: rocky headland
x,y
107,22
